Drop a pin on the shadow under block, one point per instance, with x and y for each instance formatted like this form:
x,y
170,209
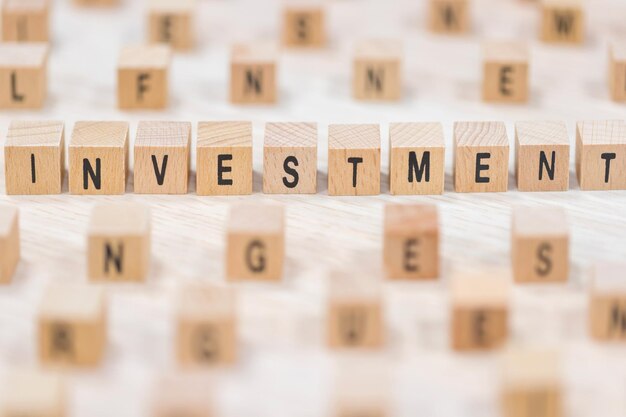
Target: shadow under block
x,y
255,247
72,326
33,393
183,395
171,22
25,20
34,157
9,242
416,158
505,72
411,246
162,157
542,156
253,74
23,75
303,26
118,242
617,72
562,21
142,77
601,155
98,154
354,159
607,302
224,158
449,16
481,157
377,70
290,158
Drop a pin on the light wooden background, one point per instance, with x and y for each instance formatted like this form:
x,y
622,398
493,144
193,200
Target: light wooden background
x,y
285,368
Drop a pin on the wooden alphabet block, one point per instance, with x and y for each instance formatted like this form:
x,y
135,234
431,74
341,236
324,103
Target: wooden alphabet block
x,y
9,242
449,16
416,158
601,155
25,20
617,72
542,156
562,21
162,157
171,22
118,242
255,246
481,157
97,3
224,158
505,72
290,158
607,302
377,70
183,395
31,393
303,26
361,389
411,247
72,326
142,77
23,75
34,157
354,159
253,74
98,154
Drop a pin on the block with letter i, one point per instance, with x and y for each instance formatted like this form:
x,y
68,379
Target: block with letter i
x,y
171,22
377,70
607,302
449,16
617,71
142,77
562,21
25,20
9,242
34,393
505,72
23,75
253,74
303,25
601,155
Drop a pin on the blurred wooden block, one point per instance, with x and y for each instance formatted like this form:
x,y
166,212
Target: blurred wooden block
x,y
34,157
142,73
162,157
98,155
253,74
23,75
601,155
481,157
449,16
542,156
183,395
72,326
505,72
36,394
354,159
97,3
118,242
25,20
416,162
562,21
607,302
290,158
377,70
9,242
171,22
255,246
303,26
224,158
617,72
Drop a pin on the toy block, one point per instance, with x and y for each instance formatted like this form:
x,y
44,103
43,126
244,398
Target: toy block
x,y
32,393
207,328
303,26
23,75
354,159
481,157
449,16
607,302
377,70
255,243
34,157
118,242
361,390
72,326
142,73
479,312
98,155
185,395
253,74
416,158
539,244
171,22
9,242
542,156
224,158
162,157
617,72
601,155
290,158
96,3
562,21
25,20
505,72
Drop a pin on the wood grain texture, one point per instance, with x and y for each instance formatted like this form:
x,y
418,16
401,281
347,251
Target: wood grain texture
x,y
23,75
25,20
601,154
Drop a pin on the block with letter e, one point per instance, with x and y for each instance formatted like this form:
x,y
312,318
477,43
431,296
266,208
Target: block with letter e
x,y
505,72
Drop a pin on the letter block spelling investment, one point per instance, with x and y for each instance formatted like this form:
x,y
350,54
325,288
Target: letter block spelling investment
x,y
601,155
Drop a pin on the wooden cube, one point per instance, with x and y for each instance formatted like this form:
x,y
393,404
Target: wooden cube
x,y
142,73
416,158
601,155
540,244
34,157
23,75
449,16
303,26
72,326
505,72
607,302
255,243
9,242
224,158
253,74
32,393
542,156
290,158
183,395
97,3
162,157
562,21
118,242
354,159
481,157
617,72
207,329
98,154
377,70
411,247
171,22
25,20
